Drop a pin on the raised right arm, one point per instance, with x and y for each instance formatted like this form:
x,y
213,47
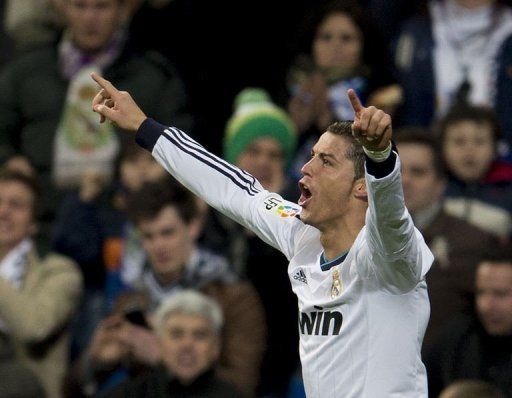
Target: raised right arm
x,y
222,185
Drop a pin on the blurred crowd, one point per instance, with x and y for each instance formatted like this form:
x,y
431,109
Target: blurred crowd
x,y
115,281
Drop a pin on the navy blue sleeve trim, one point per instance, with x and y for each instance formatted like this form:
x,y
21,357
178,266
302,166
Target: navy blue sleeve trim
x,y
148,133
382,169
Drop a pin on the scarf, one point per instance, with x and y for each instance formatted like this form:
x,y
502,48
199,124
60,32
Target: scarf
x,y
13,267
202,268
467,43
81,142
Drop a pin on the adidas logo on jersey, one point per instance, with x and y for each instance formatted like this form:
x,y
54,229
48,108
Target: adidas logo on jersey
x,y
300,276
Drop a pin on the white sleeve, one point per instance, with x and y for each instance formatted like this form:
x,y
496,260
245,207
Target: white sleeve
x,y
397,249
224,186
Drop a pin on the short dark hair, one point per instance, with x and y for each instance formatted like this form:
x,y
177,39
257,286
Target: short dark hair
x,y
471,113
7,175
422,136
499,253
148,201
355,152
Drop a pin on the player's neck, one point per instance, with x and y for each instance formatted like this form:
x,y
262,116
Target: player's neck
x,y
340,237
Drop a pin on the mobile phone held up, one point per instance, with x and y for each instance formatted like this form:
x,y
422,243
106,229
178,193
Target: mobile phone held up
x,y
136,317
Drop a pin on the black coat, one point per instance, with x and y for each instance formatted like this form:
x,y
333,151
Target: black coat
x,y
159,384
466,351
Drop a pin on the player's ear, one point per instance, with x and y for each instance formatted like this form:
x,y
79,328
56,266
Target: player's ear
x,y
359,189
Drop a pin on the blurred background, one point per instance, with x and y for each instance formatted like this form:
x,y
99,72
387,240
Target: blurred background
x,y
97,241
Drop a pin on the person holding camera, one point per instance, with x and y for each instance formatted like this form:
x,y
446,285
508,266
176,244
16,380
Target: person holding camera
x,y
188,326
169,224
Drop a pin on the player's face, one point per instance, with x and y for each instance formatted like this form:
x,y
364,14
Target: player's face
x,y
468,149
494,297
328,183
168,242
263,158
16,214
189,345
92,23
422,187
337,43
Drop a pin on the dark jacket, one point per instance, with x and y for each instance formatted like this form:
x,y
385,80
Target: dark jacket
x,y
458,247
466,351
159,384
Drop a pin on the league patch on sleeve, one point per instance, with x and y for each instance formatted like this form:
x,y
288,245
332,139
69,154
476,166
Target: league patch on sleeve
x,y
281,207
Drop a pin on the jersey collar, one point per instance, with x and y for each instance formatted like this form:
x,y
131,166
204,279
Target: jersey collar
x,y
327,265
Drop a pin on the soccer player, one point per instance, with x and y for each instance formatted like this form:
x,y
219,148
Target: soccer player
x,y
357,263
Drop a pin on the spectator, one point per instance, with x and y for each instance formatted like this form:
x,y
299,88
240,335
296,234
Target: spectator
x,y
448,54
260,138
188,325
479,186
342,53
38,296
457,245
479,347
92,228
471,389
45,118
168,221
122,347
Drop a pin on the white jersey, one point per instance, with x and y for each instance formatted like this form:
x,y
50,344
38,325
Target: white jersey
x,y
364,342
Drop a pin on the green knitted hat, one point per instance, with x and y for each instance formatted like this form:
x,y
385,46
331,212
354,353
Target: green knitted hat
x,y
256,116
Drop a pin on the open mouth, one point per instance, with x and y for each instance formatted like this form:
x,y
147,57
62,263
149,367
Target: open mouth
x,y
305,194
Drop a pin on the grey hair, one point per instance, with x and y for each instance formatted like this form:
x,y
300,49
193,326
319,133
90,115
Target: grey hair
x,y
190,302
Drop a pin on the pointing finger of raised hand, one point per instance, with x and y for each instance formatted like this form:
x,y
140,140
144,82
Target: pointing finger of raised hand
x,y
110,90
354,101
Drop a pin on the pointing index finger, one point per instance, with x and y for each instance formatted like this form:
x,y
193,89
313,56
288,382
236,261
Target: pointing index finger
x,y
105,84
354,101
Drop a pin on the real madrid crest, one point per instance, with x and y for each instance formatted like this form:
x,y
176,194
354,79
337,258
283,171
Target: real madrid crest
x,y
337,286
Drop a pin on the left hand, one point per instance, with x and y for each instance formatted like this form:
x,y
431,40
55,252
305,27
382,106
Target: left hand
x,y
372,126
142,343
91,185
